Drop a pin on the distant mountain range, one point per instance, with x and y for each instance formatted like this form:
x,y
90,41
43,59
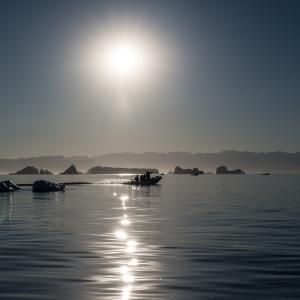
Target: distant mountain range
x,y
251,162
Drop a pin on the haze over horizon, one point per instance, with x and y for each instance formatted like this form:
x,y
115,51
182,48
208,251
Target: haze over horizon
x,y
143,153
251,162
210,75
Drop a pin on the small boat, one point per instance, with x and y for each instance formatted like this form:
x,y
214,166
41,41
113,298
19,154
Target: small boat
x,y
146,182
43,186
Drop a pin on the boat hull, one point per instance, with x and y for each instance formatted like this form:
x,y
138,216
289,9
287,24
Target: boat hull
x,y
151,181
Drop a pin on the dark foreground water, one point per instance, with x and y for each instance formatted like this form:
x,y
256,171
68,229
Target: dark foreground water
x,y
206,237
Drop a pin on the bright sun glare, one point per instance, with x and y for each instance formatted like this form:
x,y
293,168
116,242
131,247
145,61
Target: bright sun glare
x,y
124,60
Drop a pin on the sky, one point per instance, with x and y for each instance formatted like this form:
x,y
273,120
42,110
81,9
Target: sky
x,y
220,75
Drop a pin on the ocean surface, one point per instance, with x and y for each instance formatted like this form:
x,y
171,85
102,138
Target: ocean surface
x,y
206,237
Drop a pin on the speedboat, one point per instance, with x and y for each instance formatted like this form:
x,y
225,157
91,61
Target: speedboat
x,y
145,182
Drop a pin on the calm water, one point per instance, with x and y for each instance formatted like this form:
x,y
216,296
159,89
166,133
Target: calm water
x,y
206,237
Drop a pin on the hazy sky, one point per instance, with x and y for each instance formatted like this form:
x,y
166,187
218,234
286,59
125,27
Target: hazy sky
x,y
223,75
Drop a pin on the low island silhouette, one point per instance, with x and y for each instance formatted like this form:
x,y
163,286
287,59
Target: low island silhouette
x,y
112,170
72,170
252,162
223,170
30,170
188,171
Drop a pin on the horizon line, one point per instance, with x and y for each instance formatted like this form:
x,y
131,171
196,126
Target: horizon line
x,y
147,152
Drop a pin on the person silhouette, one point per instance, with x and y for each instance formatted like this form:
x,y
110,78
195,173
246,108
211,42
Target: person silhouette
x,y
148,175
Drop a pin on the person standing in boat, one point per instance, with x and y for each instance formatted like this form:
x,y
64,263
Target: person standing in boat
x,y
148,175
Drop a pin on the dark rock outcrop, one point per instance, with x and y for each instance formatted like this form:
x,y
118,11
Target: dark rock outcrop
x,y
8,186
224,170
70,171
30,170
43,186
111,170
45,172
194,171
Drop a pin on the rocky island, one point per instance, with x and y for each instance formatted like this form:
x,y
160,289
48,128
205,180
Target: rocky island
x,y
111,170
45,172
30,170
224,170
70,171
194,171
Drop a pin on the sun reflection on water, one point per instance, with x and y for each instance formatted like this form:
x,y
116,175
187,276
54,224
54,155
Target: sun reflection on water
x,y
126,275
126,292
133,262
129,247
125,221
121,235
123,257
124,198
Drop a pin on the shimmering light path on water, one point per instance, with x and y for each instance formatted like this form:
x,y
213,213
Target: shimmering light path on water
x,y
206,237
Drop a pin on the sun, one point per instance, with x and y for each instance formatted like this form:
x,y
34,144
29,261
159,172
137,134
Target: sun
x,y
124,60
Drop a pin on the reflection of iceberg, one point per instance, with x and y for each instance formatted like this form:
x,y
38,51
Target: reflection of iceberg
x,y
7,203
49,196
